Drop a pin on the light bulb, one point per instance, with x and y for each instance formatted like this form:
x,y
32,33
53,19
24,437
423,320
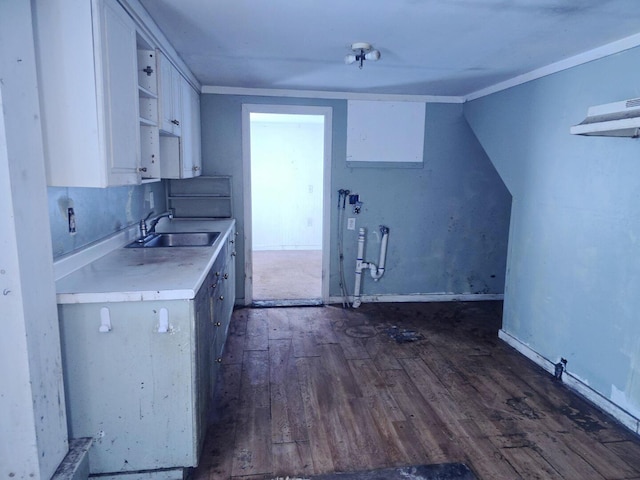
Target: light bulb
x,y
349,59
372,55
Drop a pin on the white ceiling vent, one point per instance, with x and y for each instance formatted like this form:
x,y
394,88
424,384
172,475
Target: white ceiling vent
x,y
618,119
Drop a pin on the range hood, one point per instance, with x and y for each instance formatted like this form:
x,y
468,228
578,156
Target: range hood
x,y
618,119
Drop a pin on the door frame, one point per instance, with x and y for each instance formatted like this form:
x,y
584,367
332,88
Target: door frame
x,y
327,112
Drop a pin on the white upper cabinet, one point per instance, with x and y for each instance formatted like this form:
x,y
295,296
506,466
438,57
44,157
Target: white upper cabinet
x,y
170,92
87,68
180,153
148,109
191,150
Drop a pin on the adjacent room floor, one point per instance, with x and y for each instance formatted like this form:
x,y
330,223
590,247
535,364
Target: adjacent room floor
x,y
287,274
313,390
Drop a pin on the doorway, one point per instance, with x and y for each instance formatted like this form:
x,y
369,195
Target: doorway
x,y
286,153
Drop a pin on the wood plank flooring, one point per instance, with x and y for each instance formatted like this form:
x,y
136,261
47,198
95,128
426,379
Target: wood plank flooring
x,y
304,391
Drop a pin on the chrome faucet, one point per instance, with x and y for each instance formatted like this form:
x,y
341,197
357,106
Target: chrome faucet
x,y
146,231
154,222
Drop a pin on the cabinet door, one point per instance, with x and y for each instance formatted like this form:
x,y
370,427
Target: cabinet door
x,y
120,85
214,291
87,79
196,137
231,268
176,99
191,158
170,91
164,87
133,384
203,339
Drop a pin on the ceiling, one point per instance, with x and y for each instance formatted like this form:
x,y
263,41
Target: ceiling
x,y
428,47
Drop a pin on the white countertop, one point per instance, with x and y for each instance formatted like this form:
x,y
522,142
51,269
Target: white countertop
x,y
139,274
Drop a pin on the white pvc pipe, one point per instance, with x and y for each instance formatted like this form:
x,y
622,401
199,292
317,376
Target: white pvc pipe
x,y
359,267
376,271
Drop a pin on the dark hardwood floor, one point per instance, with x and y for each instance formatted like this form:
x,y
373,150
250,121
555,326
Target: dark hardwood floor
x,y
304,391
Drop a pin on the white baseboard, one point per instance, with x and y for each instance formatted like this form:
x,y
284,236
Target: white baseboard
x,y
624,417
424,297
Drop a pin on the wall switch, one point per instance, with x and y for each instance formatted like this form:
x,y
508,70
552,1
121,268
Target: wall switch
x,y
351,223
151,202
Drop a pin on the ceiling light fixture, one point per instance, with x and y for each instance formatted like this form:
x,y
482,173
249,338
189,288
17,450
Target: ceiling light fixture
x,y
362,51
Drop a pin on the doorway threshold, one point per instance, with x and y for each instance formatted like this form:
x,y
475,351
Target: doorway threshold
x,y
301,302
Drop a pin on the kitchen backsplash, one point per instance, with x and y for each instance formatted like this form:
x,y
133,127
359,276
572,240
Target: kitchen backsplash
x,y
98,212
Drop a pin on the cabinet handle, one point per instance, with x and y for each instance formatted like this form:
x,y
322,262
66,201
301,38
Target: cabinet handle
x,y
221,297
213,285
219,360
105,320
148,71
163,321
196,168
236,234
217,274
142,169
233,254
175,122
217,324
232,241
226,275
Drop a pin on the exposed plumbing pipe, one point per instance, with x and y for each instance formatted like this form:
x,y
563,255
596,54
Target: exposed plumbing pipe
x,y
376,270
342,198
359,266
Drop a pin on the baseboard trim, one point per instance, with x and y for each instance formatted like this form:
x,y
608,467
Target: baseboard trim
x,y
575,384
424,297
307,302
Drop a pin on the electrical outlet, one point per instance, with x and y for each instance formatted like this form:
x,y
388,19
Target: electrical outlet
x,y
351,223
71,219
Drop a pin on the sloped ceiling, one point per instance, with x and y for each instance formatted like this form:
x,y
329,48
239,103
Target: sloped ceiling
x,y
428,47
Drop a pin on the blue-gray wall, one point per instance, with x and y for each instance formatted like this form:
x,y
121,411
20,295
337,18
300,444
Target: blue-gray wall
x,y
573,278
449,220
99,212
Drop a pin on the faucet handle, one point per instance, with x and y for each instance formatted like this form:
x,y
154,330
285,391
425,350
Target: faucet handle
x,y
143,225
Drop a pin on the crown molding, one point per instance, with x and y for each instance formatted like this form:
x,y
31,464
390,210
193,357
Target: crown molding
x,y
267,92
580,59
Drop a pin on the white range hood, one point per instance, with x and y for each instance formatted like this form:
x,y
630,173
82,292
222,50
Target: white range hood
x,y
618,119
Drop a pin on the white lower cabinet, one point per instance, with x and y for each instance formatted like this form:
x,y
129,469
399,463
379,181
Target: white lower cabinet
x,y
132,388
142,386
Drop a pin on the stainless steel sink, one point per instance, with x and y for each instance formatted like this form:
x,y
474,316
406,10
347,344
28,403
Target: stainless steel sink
x,y
176,239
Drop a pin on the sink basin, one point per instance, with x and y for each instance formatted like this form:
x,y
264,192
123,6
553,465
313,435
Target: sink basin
x,y
177,239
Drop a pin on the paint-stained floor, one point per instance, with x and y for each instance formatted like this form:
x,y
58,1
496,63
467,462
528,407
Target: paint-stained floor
x,y
307,391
